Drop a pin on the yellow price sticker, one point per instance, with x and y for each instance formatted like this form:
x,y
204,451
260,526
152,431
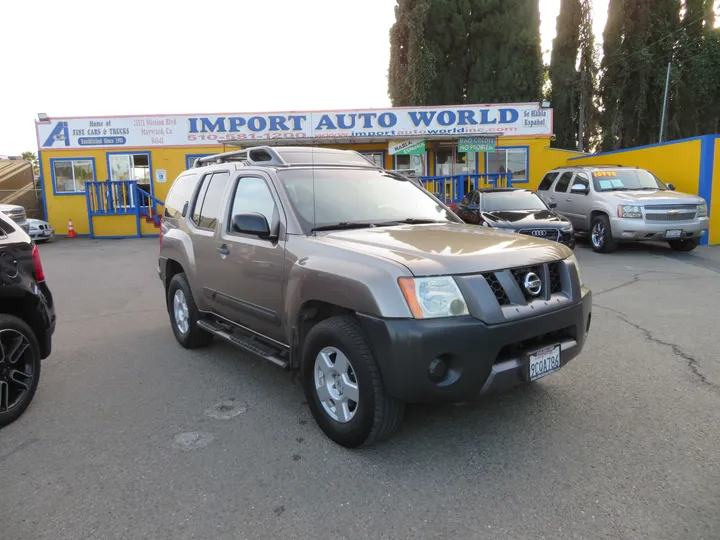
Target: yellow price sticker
x,y
601,174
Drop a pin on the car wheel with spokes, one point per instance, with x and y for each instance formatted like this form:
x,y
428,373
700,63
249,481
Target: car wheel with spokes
x,y
184,314
601,237
344,386
19,367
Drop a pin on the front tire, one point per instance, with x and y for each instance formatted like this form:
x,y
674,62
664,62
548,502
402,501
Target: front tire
x,y
19,367
344,387
184,314
684,245
601,237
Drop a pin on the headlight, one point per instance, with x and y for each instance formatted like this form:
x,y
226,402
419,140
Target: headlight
x,y
629,211
433,297
574,260
566,227
702,210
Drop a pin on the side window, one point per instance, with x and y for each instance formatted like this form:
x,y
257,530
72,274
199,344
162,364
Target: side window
x,y
213,200
476,198
563,183
253,195
180,193
197,205
582,179
547,182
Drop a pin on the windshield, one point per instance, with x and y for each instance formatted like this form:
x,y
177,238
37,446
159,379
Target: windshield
x,y
357,196
624,180
511,200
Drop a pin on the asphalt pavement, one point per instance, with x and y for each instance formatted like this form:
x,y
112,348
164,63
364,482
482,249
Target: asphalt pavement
x,y
132,437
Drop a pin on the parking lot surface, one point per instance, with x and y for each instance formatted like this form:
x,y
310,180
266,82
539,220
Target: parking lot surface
x,y
132,437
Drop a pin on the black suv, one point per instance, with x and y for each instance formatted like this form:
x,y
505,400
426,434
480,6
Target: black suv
x,y
27,320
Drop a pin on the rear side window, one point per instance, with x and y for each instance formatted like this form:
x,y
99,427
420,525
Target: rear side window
x,y
179,194
209,201
547,182
563,183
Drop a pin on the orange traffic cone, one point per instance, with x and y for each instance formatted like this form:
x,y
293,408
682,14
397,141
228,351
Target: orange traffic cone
x,y
71,230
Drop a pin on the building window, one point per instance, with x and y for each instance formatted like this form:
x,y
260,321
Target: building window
x,y
514,160
190,159
70,175
378,158
414,162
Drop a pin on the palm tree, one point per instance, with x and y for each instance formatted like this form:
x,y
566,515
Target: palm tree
x,y
32,158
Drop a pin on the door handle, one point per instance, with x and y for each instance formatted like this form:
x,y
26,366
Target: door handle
x,y
224,251
569,199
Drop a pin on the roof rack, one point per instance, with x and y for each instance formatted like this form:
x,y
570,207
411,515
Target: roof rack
x,y
261,155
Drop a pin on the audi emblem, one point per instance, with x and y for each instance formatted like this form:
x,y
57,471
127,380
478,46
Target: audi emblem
x,y
539,233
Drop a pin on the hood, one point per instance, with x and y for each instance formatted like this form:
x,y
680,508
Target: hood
x,y
522,219
11,208
657,197
448,248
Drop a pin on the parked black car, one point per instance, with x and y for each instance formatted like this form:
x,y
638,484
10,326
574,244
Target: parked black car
x,y
27,320
518,210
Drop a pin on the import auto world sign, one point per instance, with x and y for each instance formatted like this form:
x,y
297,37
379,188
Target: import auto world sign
x,y
363,124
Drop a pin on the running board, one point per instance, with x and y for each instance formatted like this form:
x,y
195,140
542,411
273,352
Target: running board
x,y
249,344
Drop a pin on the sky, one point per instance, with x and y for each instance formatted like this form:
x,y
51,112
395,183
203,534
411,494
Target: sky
x,y
82,58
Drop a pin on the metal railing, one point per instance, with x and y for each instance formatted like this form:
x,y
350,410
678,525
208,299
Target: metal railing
x,y
452,189
122,198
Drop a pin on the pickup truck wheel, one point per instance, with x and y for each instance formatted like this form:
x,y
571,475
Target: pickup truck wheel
x,y
601,235
184,314
684,245
19,367
343,385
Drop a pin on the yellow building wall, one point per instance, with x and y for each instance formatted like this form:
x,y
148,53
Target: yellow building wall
x,y
674,163
714,235
114,226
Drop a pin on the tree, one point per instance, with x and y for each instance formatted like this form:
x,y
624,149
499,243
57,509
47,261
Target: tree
x,y
465,51
588,78
32,158
564,76
638,43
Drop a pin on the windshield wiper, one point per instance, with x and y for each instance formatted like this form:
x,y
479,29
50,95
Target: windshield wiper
x,y
408,221
343,225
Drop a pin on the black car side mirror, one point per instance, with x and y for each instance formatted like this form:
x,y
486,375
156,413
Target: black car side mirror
x,y
552,205
251,223
671,187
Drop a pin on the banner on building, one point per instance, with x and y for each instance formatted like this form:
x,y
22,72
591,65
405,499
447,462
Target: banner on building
x,y
356,125
472,145
406,148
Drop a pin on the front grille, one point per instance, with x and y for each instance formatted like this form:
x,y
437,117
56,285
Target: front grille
x,y
497,288
670,216
555,278
692,207
547,234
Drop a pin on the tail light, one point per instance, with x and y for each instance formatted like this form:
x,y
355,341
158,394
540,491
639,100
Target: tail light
x,y
37,264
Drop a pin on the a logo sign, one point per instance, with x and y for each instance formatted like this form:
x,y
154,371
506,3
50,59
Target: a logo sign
x,y
471,145
532,283
399,124
406,148
539,232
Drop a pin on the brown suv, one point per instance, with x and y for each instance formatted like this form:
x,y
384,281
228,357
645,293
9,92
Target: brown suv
x,y
318,261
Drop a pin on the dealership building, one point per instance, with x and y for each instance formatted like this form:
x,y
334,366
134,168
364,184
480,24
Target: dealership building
x,y
110,175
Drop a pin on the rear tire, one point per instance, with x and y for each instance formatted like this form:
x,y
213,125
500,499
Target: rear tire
x,y
601,238
18,368
684,245
184,314
336,350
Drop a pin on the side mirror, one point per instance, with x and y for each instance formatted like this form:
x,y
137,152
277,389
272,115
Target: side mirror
x,y
671,187
580,188
552,205
251,223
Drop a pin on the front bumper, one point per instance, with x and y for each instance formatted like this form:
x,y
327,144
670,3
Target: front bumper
x,y
481,359
42,234
640,229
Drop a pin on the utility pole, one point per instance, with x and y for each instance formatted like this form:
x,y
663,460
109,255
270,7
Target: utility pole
x,y
581,114
665,103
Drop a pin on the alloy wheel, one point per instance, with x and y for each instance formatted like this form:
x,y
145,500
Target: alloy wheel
x,y
336,384
598,235
16,369
181,311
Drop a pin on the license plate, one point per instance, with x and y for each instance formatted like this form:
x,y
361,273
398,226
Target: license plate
x,y
673,233
544,362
